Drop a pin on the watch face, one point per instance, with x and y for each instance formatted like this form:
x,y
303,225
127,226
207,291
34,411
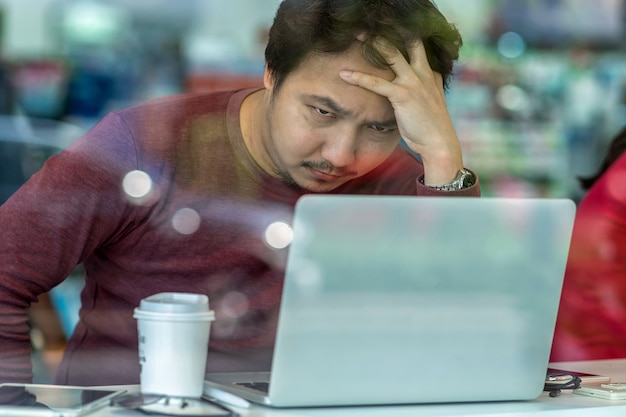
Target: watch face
x,y
467,179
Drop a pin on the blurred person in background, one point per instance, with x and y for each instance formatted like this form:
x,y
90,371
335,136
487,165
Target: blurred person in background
x,y
592,315
176,193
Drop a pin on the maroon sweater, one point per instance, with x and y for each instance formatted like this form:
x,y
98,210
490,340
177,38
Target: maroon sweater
x,y
198,230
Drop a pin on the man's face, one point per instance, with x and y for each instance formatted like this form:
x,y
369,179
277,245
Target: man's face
x,y
321,131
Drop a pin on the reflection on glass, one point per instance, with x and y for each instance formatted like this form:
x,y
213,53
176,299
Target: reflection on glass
x,y
278,235
234,304
186,221
137,184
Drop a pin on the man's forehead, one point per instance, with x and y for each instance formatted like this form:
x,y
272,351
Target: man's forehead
x,y
350,59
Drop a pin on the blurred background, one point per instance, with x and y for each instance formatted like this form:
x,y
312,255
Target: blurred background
x,y
539,91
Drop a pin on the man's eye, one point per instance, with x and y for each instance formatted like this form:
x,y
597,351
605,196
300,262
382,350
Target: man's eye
x,y
381,129
323,112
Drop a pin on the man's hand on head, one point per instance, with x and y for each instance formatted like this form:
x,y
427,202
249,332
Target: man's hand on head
x,y
418,99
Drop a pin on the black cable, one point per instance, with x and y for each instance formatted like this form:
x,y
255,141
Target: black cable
x,y
557,381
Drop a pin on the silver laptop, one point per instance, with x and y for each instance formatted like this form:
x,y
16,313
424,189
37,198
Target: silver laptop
x,y
397,300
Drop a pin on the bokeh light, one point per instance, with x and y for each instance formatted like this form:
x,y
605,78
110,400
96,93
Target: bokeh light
x,y
137,184
511,45
234,304
512,98
278,235
186,221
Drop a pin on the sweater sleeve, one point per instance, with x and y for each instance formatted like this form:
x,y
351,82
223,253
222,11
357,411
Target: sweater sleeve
x,y
61,214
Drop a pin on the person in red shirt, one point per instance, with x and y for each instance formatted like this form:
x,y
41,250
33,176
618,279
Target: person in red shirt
x,y
174,194
591,323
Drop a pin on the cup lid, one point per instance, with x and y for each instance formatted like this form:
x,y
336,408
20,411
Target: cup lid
x,y
175,302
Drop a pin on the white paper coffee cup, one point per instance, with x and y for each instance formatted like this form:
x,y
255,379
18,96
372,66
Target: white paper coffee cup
x,y
173,341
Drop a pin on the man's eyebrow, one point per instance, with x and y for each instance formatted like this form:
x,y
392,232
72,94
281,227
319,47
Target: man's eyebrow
x,y
333,106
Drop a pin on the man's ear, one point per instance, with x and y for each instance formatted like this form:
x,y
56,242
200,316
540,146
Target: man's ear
x,y
268,81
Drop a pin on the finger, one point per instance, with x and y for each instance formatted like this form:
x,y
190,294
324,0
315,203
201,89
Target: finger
x,y
370,82
438,81
417,64
421,66
392,56
419,60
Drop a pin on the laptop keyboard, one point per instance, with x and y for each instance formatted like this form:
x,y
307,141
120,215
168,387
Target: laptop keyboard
x,y
258,386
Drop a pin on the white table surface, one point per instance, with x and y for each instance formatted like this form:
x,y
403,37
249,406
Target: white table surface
x,y
566,405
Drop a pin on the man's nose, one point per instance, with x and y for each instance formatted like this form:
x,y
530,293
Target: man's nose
x,y
340,149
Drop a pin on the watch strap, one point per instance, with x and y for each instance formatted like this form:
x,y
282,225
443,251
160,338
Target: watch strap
x,y
464,179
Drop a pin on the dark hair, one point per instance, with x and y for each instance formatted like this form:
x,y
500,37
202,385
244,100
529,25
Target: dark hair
x,y
616,148
302,27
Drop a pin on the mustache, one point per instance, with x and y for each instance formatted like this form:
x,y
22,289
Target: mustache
x,y
326,167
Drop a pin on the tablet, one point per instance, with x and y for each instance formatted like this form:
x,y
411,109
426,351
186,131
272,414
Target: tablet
x,y
39,400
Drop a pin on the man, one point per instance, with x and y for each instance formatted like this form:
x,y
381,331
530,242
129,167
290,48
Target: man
x,y
175,194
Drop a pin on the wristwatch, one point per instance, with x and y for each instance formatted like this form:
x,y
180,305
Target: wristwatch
x,y
463,179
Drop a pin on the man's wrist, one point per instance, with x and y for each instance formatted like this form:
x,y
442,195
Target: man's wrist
x,y
464,179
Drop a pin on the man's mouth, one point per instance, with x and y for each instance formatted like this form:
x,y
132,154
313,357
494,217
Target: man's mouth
x,y
322,175
324,171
